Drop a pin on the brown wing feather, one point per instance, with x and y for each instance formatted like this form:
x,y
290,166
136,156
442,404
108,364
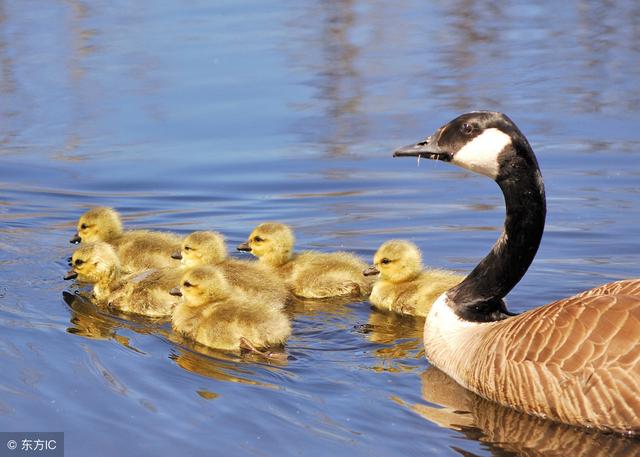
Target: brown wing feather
x,y
504,429
623,287
576,360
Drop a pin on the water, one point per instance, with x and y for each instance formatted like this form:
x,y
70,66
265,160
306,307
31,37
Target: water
x,y
214,115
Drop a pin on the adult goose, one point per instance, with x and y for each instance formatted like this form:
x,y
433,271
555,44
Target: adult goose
x,y
576,360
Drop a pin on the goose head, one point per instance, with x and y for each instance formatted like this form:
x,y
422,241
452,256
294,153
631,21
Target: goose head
x,y
98,224
271,242
396,261
203,285
93,263
202,248
489,143
484,142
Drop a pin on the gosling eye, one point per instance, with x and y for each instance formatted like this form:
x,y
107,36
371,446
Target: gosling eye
x,y
187,248
466,128
257,239
187,284
84,226
78,262
385,261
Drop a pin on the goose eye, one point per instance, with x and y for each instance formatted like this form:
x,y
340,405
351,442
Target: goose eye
x,y
187,284
466,128
424,142
78,262
385,261
257,239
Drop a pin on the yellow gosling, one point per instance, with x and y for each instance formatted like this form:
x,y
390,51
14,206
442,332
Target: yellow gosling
x,y
258,283
137,250
308,274
214,313
403,286
144,293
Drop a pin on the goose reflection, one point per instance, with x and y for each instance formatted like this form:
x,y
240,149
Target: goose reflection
x,y
88,321
398,338
507,432
336,306
216,365
221,366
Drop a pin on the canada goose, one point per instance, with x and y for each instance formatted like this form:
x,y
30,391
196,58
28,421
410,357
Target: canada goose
x,y
403,286
145,293
505,431
308,274
260,284
138,250
576,360
214,313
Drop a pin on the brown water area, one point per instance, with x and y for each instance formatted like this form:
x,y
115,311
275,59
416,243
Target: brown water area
x,y
195,115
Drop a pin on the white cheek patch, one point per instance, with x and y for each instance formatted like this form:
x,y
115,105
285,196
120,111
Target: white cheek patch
x,y
480,155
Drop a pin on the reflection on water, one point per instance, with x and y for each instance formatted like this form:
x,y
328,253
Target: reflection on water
x,y
89,321
400,338
508,432
214,115
217,365
338,81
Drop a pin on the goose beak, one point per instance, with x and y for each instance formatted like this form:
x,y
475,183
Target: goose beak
x,y
427,148
177,255
371,271
70,275
175,292
75,239
244,247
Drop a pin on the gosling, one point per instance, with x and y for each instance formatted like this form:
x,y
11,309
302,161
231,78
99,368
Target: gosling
x,y
138,250
308,274
214,313
145,293
258,283
403,286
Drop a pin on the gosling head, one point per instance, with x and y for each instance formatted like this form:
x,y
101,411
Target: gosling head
x,y
271,242
203,285
484,142
98,224
93,263
202,248
396,261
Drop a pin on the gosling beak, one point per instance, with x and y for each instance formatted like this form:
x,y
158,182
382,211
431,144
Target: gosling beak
x,y
75,239
244,247
70,275
175,292
371,271
177,255
427,148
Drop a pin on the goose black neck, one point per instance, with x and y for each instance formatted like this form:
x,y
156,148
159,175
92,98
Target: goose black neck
x,y
479,297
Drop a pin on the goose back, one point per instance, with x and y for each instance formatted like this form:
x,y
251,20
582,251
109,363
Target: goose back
x,y
576,360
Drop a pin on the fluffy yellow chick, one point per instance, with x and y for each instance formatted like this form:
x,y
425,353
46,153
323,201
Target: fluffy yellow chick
x,y
137,250
258,283
145,293
214,313
403,286
308,274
